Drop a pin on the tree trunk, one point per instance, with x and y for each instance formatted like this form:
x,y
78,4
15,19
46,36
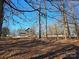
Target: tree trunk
x,y
1,15
39,19
74,18
66,27
56,30
45,14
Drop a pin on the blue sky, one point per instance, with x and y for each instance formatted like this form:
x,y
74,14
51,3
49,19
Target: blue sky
x,y
28,19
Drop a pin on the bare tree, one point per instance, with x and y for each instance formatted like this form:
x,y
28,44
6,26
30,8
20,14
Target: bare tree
x,y
39,12
5,31
1,15
74,20
66,28
34,5
45,14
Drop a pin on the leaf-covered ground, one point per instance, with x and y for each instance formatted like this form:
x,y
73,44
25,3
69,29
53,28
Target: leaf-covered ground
x,y
39,49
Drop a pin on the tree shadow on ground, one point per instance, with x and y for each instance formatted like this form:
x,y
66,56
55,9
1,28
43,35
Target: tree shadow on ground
x,y
18,48
52,54
23,47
